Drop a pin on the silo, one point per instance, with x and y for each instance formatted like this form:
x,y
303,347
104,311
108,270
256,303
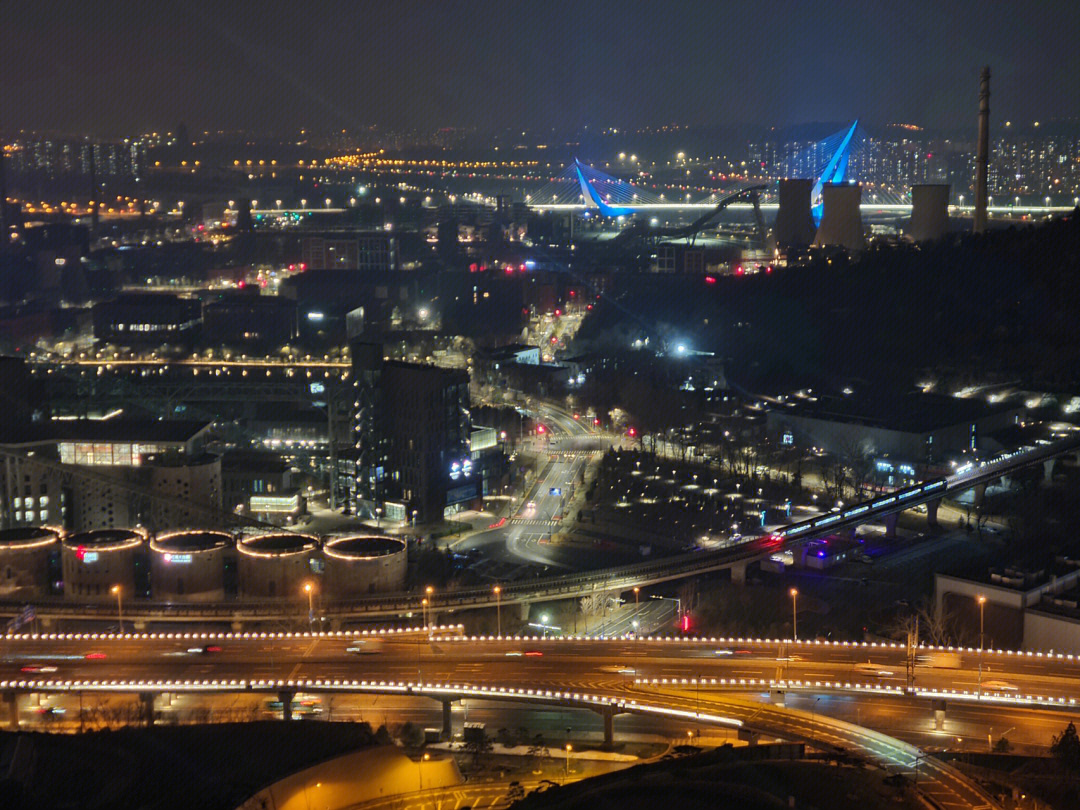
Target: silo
x,y
841,219
24,561
97,561
274,565
359,565
189,566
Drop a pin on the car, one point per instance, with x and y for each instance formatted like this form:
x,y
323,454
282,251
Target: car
x,y
95,656
533,653
38,669
530,505
999,686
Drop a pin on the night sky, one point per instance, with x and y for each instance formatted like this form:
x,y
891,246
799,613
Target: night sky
x,y
264,65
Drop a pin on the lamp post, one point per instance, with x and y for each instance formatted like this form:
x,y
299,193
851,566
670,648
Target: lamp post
x,y
429,601
569,748
637,594
794,614
420,768
309,589
116,589
378,517
423,611
982,613
498,610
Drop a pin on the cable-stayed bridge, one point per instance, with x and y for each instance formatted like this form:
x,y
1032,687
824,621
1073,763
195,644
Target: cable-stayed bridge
x,y
833,159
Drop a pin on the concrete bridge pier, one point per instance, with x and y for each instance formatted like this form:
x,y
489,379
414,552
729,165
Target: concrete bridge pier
x,y
939,715
738,573
286,697
11,710
748,736
524,607
608,713
447,723
146,707
931,511
237,626
890,525
979,491
1048,469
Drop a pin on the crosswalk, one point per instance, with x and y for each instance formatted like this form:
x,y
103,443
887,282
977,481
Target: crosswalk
x,y
533,522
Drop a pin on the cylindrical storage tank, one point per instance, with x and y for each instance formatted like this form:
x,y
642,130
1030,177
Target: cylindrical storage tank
x,y
95,562
189,566
273,565
794,223
841,217
929,212
24,561
361,564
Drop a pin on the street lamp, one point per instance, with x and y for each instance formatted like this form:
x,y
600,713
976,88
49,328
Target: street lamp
x,y
378,517
429,601
637,593
498,609
420,768
569,748
794,614
423,610
982,612
119,607
309,589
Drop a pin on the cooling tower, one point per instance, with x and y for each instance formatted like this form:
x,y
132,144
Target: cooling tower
x,y
794,225
841,218
929,212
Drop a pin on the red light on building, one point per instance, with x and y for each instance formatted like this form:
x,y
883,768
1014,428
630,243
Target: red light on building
x,y
558,313
710,279
572,293
739,270
241,284
768,268
541,429
596,421
631,432
473,267
589,306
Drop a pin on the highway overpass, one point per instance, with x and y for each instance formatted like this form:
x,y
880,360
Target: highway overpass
x,y
735,683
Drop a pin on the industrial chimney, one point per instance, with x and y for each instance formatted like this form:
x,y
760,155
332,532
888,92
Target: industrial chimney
x,y
841,218
794,224
982,157
929,212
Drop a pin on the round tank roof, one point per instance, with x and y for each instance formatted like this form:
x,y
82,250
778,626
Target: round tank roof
x,y
26,537
103,540
362,547
191,541
279,544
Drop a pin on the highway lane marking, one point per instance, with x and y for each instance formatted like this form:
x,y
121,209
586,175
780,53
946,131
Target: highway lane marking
x,y
296,669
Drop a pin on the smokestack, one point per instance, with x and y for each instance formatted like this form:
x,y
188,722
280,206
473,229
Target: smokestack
x,y
93,192
982,158
929,212
841,219
794,225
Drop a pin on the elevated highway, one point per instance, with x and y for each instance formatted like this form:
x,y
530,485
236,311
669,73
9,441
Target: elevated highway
x,y
734,683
